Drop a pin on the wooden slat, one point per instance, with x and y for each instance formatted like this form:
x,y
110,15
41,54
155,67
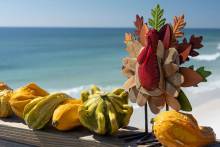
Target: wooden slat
x,y
14,130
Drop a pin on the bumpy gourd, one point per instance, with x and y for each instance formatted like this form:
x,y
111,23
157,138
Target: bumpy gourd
x,y
66,116
22,96
104,113
175,129
5,108
39,111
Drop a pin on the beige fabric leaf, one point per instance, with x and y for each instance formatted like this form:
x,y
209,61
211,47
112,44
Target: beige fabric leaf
x,y
155,92
177,79
160,50
133,94
133,48
159,101
141,99
127,72
138,84
171,64
173,103
129,63
129,83
171,90
152,106
172,56
161,82
170,69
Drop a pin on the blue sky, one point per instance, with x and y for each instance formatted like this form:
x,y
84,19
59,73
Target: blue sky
x,y
104,13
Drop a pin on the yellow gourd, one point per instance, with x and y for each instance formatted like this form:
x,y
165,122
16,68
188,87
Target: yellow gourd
x,y
5,108
66,116
39,111
22,96
175,129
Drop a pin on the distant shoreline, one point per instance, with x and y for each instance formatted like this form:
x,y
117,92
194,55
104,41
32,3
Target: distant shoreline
x,y
70,27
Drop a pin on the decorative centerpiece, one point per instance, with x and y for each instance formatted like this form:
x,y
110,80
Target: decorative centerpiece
x,y
155,66
156,74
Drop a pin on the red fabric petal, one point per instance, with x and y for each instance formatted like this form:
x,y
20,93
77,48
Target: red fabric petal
x,y
148,70
165,34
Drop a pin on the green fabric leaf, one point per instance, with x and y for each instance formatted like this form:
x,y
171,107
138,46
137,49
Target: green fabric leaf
x,y
204,73
157,21
184,102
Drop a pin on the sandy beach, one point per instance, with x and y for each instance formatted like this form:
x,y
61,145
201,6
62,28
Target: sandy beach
x,y
208,115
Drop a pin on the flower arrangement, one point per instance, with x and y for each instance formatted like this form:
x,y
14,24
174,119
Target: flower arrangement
x,y
155,65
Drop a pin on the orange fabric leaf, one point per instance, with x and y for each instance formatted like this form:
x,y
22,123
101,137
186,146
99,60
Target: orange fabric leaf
x,y
186,53
128,37
191,77
143,35
178,24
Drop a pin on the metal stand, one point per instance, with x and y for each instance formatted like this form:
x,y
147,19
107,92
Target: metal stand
x,y
143,138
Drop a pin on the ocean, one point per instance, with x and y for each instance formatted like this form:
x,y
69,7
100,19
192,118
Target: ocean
x,y
72,59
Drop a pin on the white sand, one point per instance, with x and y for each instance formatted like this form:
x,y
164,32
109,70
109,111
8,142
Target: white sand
x,y
207,114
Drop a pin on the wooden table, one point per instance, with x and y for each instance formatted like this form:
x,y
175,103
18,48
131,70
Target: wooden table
x,y
14,133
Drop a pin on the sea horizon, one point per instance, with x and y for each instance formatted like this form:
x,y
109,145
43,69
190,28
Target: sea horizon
x,y
96,27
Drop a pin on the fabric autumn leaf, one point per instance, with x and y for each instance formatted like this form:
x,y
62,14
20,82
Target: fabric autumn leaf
x,y
190,48
178,25
191,77
141,30
138,24
184,102
157,20
196,43
143,35
204,73
133,47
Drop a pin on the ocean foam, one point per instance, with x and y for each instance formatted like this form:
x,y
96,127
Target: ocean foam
x,y
75,91
207,57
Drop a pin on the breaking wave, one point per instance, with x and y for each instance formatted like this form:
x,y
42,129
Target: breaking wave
x,y
207,57
75,91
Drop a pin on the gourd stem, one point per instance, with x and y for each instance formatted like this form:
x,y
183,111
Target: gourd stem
x,y
146,118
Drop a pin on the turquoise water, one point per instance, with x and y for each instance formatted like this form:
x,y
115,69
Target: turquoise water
x,y
69,58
